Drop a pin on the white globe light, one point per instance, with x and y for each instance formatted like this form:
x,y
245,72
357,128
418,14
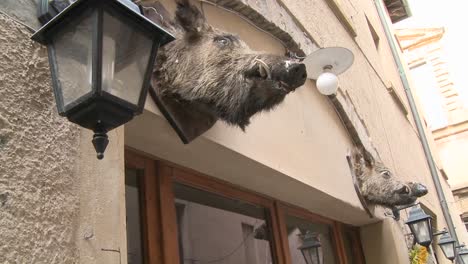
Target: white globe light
x,y
327,83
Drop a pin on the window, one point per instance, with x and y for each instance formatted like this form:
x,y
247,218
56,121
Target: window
x,y
179,217
215,229
429,95
352,246
297,228
464,218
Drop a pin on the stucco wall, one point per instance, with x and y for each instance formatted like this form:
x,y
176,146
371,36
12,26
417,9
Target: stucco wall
x,y
38,187
58,203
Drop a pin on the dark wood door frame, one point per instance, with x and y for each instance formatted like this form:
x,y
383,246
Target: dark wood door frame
x,y
159,218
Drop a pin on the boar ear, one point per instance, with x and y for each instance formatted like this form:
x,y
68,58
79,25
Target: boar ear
x,y
370,162
357,158
190,18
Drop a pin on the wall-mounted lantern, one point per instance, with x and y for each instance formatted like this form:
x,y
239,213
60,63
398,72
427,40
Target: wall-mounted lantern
x,y
463,255
325,64
447,245
420,225
310,248
101,55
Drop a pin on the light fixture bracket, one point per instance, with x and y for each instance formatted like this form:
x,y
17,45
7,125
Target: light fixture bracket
x,y
48,9
334,59
396,210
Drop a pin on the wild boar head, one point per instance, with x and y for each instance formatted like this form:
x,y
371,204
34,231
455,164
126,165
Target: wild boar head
x,y
219,72
377,184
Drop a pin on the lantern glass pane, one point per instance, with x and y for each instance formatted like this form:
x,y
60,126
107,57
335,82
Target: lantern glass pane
x,y
448,250
311,255
126,52
464,258
73,47
421,232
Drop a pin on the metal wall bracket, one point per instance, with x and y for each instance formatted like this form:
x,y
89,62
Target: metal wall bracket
x,y
48,9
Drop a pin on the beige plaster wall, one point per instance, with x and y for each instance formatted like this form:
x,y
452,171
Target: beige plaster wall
x,y
38,149
100,223
384,243
390,131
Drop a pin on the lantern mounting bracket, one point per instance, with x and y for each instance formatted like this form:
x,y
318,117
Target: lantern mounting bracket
x,y
396,210
48,9
443,232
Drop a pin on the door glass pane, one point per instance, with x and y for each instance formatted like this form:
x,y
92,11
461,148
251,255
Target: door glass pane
x,y
133,208
297,229
214,229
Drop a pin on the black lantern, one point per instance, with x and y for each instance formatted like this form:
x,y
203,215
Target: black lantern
x,y
463,256
447,244
311,248
101,55
420,224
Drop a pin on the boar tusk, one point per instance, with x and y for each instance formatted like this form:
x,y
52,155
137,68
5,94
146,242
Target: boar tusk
x,y
262,71
264,68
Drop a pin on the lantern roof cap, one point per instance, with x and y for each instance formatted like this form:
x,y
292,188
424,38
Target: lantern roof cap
x,y
311,240
417,214
446,239
131,10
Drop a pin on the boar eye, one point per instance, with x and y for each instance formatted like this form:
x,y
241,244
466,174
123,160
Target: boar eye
x,y
222,41
386,174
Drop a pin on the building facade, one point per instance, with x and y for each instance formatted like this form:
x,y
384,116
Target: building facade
x,y
429,55
444,91
229,196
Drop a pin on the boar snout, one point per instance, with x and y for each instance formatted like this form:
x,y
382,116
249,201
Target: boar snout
x,y
418,189
291,75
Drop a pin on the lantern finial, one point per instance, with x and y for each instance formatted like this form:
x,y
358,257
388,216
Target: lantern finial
x,y
100,141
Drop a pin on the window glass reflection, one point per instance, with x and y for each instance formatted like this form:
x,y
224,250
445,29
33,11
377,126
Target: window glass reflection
x,y
133,210
214,229
298,229
348,244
